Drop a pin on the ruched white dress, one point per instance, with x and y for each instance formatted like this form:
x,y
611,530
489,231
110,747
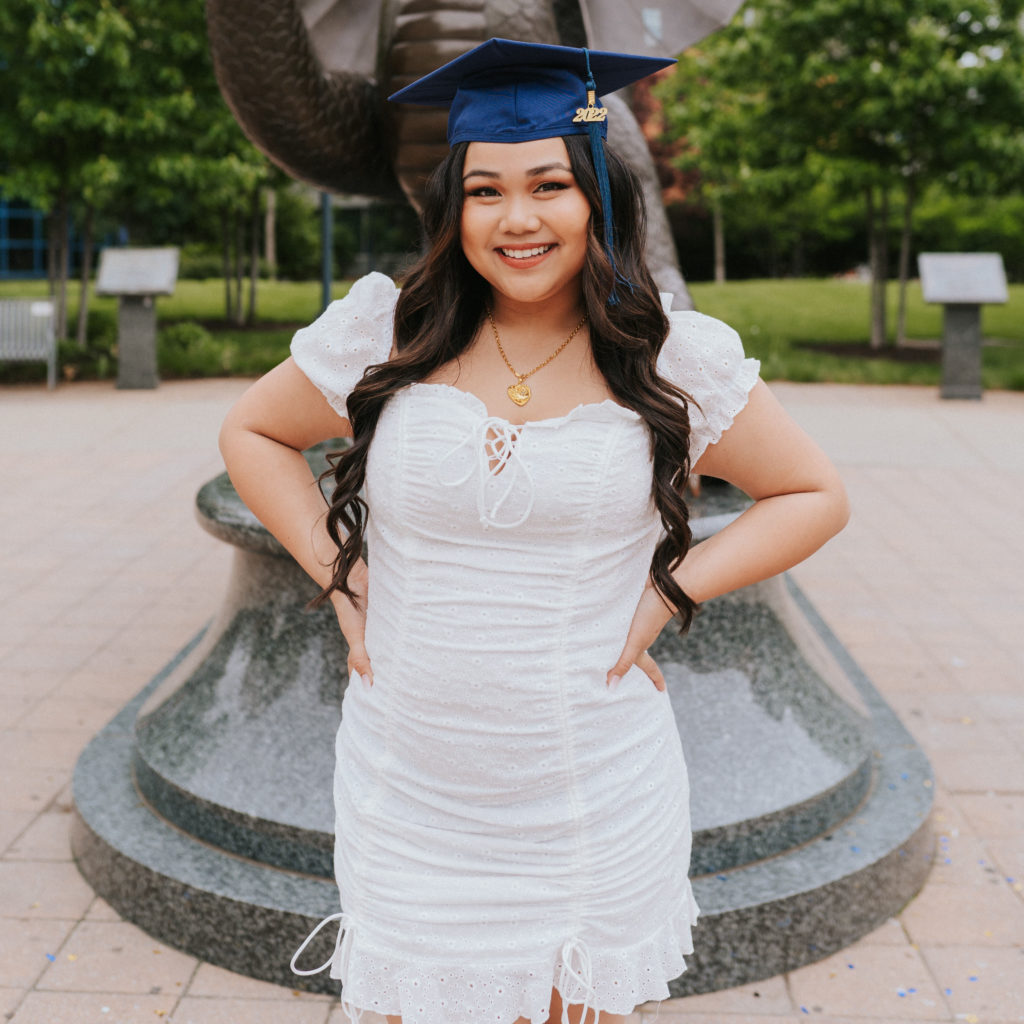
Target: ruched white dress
x,y
505,822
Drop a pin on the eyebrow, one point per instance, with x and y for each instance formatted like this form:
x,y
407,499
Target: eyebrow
x,y
533,172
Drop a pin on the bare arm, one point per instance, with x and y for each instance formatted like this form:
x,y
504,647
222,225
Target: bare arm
x,y
262,440
799,504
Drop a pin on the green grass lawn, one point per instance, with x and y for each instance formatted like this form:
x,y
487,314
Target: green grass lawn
x,y
777,319
799,330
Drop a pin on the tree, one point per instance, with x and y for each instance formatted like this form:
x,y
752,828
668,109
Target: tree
x,y
60,69
881,95
111,107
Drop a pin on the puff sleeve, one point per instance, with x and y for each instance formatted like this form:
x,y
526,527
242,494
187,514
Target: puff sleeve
x,y
351,334
704,357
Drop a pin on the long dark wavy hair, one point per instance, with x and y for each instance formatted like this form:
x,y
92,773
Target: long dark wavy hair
x,y
443,304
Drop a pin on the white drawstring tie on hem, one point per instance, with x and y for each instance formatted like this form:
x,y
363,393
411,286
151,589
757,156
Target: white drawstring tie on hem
x,y
338,960
494,443
582,978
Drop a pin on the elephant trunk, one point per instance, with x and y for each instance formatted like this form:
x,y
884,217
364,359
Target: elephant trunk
x,y
324,129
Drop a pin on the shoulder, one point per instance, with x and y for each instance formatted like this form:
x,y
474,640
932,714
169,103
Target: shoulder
x,y
698,345
371,300
704,357
352,334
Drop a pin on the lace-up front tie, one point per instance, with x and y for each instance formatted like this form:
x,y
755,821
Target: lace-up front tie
x,y
490,450
338,961
576,981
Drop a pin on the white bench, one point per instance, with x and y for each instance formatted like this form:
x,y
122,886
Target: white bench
x,y
27,334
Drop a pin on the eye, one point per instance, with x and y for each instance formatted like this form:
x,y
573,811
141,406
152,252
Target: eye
x,y
483,190
552,186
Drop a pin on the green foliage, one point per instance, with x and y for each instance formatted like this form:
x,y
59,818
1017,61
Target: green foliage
x,y
98,359
298,235
199,261
111,108
92,93
183,336
242,353
188,349
950,223
797,107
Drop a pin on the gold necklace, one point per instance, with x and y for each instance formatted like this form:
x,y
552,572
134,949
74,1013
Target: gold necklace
x,y
519,392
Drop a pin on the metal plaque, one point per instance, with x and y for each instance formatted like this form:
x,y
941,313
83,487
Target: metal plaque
x,y
962,277
137,271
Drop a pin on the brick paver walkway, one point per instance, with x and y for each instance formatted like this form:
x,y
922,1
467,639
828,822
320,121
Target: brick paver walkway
x,y
104,574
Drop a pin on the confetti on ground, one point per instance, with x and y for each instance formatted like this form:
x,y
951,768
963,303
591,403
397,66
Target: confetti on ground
x,y
902,993
51,957
973,977
949,991
856,849
850,966
72,957
803,1009
722,878
971,1018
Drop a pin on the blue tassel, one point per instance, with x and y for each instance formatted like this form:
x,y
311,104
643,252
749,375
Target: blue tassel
x,y
601,170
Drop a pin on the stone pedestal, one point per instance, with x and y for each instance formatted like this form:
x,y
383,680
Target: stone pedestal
x,y
136,342
204,809
961,350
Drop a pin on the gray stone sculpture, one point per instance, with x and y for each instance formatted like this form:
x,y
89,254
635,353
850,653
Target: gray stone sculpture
x,y
203,811
308,81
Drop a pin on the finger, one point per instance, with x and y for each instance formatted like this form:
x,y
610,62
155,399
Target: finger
x,y
627,659
650,666
359,662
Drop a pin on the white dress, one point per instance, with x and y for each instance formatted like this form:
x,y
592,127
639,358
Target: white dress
x,y
504,821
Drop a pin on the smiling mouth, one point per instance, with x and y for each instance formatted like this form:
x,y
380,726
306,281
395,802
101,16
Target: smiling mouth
x,y
525,254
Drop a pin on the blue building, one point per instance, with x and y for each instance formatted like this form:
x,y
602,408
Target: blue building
x,y
22,240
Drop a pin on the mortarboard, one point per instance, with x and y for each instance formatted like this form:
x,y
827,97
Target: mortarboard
x,y
509,91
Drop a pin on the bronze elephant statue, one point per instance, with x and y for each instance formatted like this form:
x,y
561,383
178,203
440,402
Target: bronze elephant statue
x,y
308,81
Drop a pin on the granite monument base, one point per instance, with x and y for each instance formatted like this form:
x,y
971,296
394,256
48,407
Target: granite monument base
x,y
961,350
136,342
203,811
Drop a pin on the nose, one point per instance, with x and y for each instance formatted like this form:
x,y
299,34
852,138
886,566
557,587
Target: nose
x,y
518,218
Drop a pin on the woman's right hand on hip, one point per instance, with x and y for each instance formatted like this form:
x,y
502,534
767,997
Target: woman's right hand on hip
x,y
352,619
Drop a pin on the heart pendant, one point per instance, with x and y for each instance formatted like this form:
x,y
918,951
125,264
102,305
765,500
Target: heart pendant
x,y
519,393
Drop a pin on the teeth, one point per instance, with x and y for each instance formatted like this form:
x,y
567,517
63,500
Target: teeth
x,y
523,254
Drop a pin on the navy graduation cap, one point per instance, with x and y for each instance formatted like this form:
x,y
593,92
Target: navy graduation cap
x,y
509,91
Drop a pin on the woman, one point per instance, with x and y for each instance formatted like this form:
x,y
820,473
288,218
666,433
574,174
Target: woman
x,y
512,825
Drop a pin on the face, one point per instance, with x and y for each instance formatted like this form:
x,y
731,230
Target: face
x,y
524,219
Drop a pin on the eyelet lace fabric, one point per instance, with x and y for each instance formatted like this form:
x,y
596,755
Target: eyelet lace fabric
x,y
505,823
